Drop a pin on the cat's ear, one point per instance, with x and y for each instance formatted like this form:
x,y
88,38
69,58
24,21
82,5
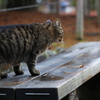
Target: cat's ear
x,y
57,22
48,21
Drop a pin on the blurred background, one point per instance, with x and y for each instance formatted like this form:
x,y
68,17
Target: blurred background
x,y
80,18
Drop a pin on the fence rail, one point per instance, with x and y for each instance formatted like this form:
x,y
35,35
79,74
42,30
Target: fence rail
x,y
28,6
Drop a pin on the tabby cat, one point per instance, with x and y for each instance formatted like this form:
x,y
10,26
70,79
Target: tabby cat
x,y
22,43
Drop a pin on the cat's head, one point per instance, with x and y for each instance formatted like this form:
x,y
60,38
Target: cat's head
x,y
57,29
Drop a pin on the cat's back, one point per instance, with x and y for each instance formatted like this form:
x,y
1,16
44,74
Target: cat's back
x,y
15,41
11,26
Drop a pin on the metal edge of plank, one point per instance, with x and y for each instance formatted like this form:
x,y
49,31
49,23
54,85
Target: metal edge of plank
x,y
37,93
7,93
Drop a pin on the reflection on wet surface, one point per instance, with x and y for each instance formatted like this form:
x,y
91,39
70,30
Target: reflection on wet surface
x,y
50,78
14,81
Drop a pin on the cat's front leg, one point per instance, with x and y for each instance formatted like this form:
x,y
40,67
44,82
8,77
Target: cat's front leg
x,y
31,67
3,75
17,70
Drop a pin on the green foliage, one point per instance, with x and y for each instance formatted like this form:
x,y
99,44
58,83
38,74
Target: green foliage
x,y
54,44
93,1
74,3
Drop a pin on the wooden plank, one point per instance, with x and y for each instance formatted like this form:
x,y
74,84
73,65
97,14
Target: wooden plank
x,y
60,74
49,64
69,76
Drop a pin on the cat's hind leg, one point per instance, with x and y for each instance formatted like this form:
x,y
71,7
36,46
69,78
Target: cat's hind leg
x,y
17,70
3,67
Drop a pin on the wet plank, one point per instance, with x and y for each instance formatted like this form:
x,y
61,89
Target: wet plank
x,y
49,64
60,74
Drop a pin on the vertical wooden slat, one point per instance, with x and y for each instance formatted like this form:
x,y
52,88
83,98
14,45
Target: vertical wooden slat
x,y
98,10
79,20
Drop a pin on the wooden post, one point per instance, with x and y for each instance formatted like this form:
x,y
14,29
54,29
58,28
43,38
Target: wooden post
x,y
98,10
96,4
57,7
71,96
79,20
3,4
86,7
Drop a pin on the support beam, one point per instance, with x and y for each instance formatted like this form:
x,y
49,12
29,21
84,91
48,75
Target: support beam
x,y
90,90
57,7
98,10
79,19
86,8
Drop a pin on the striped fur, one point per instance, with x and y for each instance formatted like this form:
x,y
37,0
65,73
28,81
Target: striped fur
x,y
22,43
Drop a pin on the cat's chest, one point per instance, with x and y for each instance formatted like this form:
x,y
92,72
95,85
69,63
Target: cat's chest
x,y
40,50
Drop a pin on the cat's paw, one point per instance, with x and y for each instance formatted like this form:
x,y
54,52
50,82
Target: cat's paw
x,y
4,76
35,72
20,72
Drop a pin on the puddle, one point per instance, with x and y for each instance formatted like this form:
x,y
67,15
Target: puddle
x,y
50,78
68,63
